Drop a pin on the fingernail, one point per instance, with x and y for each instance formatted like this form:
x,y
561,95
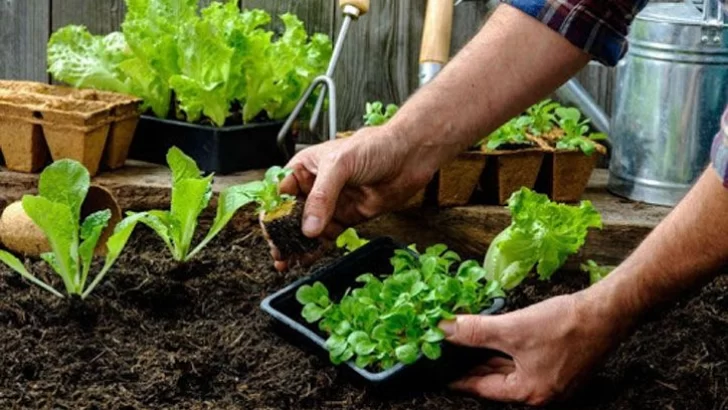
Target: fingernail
x,y
448,326
312,226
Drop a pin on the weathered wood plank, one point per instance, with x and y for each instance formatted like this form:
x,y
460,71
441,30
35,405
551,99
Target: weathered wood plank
x,y
99,16
23,36
317,14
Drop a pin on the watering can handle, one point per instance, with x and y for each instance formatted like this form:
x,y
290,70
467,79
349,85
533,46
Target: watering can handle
x,y
712,10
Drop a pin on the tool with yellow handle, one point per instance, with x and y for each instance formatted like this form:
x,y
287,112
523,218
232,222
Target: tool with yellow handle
x,y
436,36
352,10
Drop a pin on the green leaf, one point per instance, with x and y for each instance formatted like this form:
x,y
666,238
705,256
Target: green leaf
x,y
182,166
65,182
114,246
433,336
83,60
596,272
189,198
336,345
57,222
432,351
312,313
16,265
407,353
349,240
363,362
542,234
91,231
312,294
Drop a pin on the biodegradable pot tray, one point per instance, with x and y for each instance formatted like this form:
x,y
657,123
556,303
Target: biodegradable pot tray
x,y
222,150
565,175
21,137
457,181
338,277
507,171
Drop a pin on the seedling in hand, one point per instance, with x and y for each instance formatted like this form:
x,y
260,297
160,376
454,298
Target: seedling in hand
x,y
56,210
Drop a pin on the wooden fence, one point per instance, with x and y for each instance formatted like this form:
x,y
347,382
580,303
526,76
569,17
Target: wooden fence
x,y
380,61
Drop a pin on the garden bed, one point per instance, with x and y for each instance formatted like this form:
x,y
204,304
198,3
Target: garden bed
x,y
157,336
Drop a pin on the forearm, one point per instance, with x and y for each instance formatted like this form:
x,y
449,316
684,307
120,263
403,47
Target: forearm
x,y
512,63
688,248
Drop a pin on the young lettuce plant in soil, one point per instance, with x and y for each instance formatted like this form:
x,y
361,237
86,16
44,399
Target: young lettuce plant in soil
x,y
576,134
56,210
350,241
377,114
542,117
394,318
512,135
542,234
596,271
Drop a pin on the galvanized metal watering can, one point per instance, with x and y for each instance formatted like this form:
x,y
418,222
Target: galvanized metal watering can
x,y
671,89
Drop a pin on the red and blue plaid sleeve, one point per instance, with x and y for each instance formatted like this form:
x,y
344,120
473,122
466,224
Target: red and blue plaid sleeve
x,y
598,27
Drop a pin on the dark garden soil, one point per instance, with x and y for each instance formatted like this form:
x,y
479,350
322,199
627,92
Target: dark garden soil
x,y
156,335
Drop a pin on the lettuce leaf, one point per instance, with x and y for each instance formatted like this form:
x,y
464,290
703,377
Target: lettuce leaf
x,y
542,235
83,60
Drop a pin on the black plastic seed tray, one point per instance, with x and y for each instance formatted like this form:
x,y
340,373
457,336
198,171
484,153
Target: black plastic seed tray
x,y
340,276
222,150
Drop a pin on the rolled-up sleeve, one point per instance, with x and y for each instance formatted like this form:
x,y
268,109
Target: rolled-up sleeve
x,y
598,27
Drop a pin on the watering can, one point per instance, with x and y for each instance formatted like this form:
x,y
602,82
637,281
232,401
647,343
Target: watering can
x,y
671,88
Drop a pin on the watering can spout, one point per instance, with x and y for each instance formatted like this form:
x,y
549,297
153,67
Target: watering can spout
x,y
573,93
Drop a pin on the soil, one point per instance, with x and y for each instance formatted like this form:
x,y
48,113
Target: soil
x,y
285,231
159,335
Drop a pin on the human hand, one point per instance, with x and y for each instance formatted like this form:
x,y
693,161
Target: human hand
x,y
554,345
354,179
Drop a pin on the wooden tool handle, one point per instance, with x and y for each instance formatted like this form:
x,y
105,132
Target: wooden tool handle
x,y
362,5
437,32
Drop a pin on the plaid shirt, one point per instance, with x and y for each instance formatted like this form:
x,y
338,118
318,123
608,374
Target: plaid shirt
x,y
600,28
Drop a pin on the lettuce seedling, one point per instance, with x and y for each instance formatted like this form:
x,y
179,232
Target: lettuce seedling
x,y
56,210
542,234
350,240
376,113
575,132
542,116
394,319
514,132
596,272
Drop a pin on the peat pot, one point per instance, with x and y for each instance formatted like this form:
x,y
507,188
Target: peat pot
x,y
672,87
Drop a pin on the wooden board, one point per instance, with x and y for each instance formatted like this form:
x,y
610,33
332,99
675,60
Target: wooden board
x,y
469,230
99,16
318,15
24,33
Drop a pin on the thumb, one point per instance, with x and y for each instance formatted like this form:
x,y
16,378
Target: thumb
x,y
322,199
476,331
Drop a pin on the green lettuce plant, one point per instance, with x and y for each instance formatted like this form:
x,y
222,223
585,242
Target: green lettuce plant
x,y
542,235
576,131
210,60
513,132
56,210
596,272
394,319
350,240
542,116
191,194
376,114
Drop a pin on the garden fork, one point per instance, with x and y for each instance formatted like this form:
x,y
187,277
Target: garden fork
x,y
352,10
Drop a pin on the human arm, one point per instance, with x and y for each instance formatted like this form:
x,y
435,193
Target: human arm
x,y
688,248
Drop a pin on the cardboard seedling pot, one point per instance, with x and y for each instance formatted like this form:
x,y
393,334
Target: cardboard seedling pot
x,y
21,136
340,276
457,181
507,171
565,175
124,110
77,130
20,234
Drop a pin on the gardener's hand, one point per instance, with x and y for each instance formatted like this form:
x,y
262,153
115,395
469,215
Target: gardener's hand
x,y
554,345
353,179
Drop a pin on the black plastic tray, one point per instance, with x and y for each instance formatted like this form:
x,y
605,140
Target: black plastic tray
x,y
338,277
222,150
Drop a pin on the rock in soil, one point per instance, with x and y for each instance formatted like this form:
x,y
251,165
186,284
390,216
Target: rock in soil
x,y
157,335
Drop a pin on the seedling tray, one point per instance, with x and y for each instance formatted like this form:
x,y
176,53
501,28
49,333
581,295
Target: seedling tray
x,y
338,277
222,150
